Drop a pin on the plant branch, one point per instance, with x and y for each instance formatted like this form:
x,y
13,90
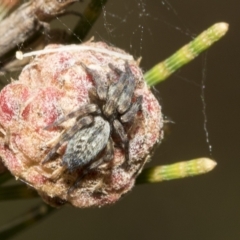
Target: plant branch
x,y
25,220
186,54
89,17
30,18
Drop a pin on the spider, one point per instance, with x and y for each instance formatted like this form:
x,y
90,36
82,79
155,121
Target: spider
x,y
99,127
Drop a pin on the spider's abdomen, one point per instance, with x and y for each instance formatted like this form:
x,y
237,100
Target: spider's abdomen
x,y
86,144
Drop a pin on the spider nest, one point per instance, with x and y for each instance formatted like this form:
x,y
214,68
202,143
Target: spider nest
x,y
80,124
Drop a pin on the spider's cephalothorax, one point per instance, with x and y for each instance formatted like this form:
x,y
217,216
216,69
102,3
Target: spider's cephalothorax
x,y
100,126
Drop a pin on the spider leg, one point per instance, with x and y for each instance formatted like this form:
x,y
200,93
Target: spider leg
x,y
125,99
100,85
118,127
83,122
114,93
93,95
130,114
108,156
115,69
81,111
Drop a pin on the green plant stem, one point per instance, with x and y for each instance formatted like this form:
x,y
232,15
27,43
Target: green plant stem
x,y
175,171
164,69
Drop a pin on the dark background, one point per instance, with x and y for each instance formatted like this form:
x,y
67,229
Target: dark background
x,y
204,207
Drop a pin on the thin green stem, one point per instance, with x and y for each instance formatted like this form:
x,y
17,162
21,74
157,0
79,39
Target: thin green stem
x,y
175,171
164,69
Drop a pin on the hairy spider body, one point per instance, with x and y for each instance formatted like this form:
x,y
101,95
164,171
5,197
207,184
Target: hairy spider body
x,y
97,127
85,145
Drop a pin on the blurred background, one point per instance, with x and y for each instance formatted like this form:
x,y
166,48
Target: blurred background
x,y
203,207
